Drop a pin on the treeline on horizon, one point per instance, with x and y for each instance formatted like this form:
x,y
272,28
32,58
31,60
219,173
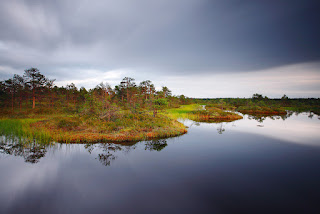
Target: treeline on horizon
x,y
259,99
35,91
259,103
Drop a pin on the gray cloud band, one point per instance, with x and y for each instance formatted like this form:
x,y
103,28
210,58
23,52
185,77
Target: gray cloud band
x,y
168,37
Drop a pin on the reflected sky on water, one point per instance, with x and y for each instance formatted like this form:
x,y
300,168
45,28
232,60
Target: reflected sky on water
x,y
300,128
246,166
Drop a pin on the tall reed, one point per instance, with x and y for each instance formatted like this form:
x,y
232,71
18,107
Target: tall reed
x,y
20,129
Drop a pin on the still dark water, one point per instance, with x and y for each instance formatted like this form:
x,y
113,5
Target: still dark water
x,y
246,166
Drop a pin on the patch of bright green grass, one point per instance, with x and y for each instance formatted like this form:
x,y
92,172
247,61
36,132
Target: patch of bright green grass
x,y
198,113
183,111
21,129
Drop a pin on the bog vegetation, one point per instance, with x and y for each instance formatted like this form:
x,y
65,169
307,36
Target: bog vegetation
x,y
33,107
36,107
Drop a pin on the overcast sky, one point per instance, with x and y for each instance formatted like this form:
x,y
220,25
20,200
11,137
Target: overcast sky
x,y
199,48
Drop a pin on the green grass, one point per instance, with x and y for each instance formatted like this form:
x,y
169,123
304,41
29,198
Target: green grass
x,y
255,109
197,113
314,109
125,126
183,111
21,129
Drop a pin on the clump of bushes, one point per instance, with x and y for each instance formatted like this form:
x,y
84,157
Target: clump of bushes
x,y
67,123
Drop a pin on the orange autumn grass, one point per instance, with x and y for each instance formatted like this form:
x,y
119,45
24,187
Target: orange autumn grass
x,y
85,132
200,114
217,118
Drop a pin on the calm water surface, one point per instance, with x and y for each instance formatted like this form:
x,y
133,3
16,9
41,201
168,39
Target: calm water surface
x,y
254,165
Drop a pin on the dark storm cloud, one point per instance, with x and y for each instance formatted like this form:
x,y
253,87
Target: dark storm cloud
x,y
179,36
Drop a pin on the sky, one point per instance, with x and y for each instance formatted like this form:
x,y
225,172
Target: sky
x,y
199,48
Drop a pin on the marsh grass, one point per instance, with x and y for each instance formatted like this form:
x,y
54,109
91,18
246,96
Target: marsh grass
x,y
198,113
255,109
21,129
314,109
124,126
127,126
183,111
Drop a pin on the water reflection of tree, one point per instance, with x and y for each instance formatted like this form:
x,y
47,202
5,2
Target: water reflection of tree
x,y
108,154
32,152
261,117
310,115
106,159
156,145
89,147
107,151
221,128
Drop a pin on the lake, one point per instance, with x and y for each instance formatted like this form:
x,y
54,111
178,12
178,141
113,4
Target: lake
x,y
253,165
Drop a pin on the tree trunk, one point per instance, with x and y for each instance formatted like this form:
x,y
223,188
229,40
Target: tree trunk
x,y
33,102
127,96
33,96
33,99
12,102
20,101
51,102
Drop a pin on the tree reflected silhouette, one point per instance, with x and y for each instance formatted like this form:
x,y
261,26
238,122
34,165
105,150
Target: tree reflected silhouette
x,y
108,154
221,128
106,159
156,145
32,152
310,115
107,151
261,117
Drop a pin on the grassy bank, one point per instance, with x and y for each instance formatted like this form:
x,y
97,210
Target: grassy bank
x,y
314,109
119,125
262,110
74,129
200,114
127,127
22,129
264,105
212,114
122,125
183,111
